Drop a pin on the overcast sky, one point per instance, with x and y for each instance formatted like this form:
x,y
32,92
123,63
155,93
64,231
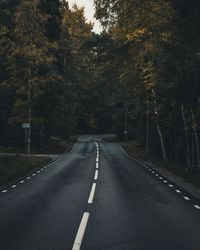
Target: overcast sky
x,y
89,12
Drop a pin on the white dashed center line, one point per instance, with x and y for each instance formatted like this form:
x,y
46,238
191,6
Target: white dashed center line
x,y
197,206
81,232
96,175
4,191
170,185
178,191
21,182
91,197
186,198
14,186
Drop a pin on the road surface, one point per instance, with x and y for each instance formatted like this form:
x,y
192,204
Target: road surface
x,y
97,197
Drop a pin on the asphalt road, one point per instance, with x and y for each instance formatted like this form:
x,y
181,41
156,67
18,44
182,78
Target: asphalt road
x,y
96,197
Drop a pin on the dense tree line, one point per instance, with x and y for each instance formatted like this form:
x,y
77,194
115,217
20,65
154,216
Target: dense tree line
x,y
141,75
155,61
45,71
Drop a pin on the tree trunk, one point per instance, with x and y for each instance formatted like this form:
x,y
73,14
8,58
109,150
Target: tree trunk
x,y
147,126
186,136
29,118
193,152
196,139
162,142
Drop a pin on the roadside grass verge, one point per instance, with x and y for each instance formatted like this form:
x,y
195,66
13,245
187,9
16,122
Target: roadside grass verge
x,y
55,145
137,151
14,167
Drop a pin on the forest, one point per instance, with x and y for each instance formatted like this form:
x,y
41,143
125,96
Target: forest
x,y
139,78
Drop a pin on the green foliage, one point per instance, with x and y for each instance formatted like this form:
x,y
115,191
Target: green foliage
x,y
67,80
156,64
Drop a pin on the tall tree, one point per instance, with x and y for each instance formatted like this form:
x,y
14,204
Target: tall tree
x,y
30,58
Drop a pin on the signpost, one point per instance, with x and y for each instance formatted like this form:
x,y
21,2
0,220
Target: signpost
x,y
26,126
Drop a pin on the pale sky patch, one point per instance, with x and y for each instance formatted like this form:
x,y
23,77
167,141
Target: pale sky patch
x,y
89,12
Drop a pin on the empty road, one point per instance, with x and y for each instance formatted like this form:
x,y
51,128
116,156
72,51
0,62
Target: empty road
x,y
97,197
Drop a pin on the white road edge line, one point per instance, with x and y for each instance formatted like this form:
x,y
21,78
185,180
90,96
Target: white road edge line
x,y
81,232
91,197
96,175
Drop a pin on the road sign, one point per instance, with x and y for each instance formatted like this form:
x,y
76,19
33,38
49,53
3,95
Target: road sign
x,y
26,125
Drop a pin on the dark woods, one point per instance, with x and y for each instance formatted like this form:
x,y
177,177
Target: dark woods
x,y
45,70
141,75
155,61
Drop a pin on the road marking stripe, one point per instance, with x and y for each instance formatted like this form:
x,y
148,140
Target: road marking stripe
x,y
38,172
170,185
97,160
186,198
4,191
97,165
165,181
96,175
157,175
21,182
28,178
33,174
178,191
197,207
14,186
160,177
91,197
81,232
